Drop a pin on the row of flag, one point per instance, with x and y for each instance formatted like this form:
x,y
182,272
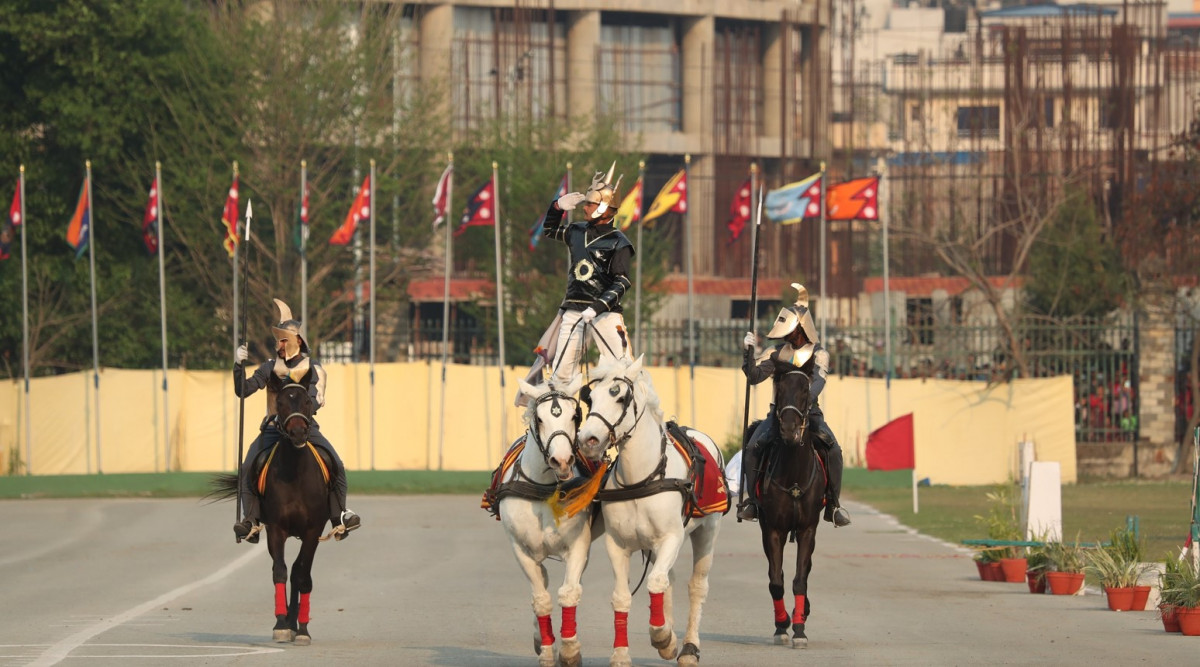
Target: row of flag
x,y
853,200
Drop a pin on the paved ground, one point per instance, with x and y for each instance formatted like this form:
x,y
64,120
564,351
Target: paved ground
x,y
430,580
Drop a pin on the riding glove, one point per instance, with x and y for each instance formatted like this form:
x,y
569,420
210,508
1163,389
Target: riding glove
x,y
588,314
750,340
241,354
569,201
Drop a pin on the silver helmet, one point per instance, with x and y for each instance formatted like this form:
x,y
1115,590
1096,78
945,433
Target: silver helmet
x,y
794,316
289,330
603,193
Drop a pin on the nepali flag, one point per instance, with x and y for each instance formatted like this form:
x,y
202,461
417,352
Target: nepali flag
x,y
535,234
672,198
739,210
441,195
361,210
853,200
8,230
481,208
80,228
795,201
150,220
229,217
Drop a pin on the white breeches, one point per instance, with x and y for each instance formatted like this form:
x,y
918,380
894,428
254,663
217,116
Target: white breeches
x,y
607,331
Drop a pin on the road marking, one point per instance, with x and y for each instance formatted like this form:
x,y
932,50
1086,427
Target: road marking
x,y
224,651
57,652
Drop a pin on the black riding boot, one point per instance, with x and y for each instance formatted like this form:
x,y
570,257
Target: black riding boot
x,y
834,512
339,515
250,518
748,509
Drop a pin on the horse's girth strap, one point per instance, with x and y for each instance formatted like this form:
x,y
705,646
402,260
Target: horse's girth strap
x,y
262,475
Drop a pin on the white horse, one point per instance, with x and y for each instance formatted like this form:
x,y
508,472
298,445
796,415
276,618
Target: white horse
x,y
547,461
648,471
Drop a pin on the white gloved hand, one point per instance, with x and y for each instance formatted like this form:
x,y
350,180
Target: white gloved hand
x,y
750,340
588,314
570,200
241,354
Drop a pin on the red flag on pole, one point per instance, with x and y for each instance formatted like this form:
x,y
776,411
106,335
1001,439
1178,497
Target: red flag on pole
x,y
361,210
229,217
480,209
150,220
8,228
853,200
739,211
440,194
890,447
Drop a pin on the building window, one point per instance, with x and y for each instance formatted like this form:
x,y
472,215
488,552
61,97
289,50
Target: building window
x,y
737,84
507,62
979,121
640,73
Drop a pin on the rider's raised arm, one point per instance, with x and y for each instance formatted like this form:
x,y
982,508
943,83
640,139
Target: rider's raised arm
x,y
820,371
244,386
553,227
762,370
618,268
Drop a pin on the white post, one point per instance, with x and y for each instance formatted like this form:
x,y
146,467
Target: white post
x,y
637,271
304,242
95,331
446,305
825,310
371,330
162,297
499,314
25,324
687,236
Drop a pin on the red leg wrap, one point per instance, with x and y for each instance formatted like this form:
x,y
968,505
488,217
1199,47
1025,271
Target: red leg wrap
x,y
547,630
281,599
798,611
656,610
568,622
303,616
621,626
780,611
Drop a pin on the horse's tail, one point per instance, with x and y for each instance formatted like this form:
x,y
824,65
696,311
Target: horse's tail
x,y
223,486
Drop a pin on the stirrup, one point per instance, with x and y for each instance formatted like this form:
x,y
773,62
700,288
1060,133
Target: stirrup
x,y
349,521
748,511
841,517
247,529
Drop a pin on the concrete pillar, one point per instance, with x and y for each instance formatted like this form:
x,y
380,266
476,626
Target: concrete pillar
x,y
1156,370
437,40
583,35
697,54
772,91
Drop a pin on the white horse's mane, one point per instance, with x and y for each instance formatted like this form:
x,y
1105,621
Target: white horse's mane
x,y
642,384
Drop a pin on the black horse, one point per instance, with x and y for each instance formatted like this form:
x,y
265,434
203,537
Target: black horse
x,y
294,487
790,500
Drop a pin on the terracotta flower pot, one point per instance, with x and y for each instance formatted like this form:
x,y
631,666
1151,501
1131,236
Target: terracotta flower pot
x,y
1170,618
1119,599
1037,583
1140,595
1189,620
994,572
982,567
1064,583
1014,569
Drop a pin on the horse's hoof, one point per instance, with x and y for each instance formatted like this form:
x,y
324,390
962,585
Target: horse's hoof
x,y
782,639
799,642
569,654
303,640
620,657
689,656
663,639
546,656
283,636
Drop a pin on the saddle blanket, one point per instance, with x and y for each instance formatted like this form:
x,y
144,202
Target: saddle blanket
x,y
710,491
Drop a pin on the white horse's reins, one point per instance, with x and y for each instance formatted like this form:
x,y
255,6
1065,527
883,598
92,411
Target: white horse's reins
x,y
544,446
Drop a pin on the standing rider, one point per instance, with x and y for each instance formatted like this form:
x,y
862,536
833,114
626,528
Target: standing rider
x,y
291,364
799,349
600,257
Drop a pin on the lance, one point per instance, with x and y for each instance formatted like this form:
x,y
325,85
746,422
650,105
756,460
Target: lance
x,y
748,353
242,377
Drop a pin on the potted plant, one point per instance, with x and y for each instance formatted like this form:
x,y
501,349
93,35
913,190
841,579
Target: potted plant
x,y
1037,562
1172,594
1066,561
1182,589
1117,573
1003,525
987,560
1126,546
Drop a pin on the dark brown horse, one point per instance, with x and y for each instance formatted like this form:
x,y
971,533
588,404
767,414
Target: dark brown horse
x,y
295,503
792,492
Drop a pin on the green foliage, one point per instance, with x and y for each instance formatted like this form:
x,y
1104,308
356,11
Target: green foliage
x,y
1074,269
1180,583
1063,556
1002,522
1113,566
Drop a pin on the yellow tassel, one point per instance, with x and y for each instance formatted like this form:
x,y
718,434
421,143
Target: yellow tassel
x,y
578,499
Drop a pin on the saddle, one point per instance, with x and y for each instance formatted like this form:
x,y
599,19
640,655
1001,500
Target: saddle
x,y
263,464
710,491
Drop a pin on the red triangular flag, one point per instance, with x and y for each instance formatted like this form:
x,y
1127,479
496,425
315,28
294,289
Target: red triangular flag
x,y
361,210
150,220
890,447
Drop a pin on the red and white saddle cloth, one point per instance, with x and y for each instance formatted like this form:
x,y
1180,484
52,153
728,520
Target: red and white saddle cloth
x,y
710,491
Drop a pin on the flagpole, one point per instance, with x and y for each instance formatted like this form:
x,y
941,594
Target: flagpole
x,y
687,235
499,310
446,305
304,242
637,270
95,330
162,298
824,305
371,331
25,323
237,248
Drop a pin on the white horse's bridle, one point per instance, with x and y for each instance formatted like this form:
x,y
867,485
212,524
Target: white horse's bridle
x,y
535,426
803,414
613,439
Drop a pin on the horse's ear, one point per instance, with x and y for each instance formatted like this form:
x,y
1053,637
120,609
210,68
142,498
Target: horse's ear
x,y
636,366
573,386
527,389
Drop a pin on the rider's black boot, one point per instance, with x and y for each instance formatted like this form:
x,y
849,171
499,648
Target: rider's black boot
x,y
748,509
242,529
833,466
340,515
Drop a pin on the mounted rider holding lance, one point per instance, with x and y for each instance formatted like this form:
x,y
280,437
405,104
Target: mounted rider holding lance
x,y
291,365
801,349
